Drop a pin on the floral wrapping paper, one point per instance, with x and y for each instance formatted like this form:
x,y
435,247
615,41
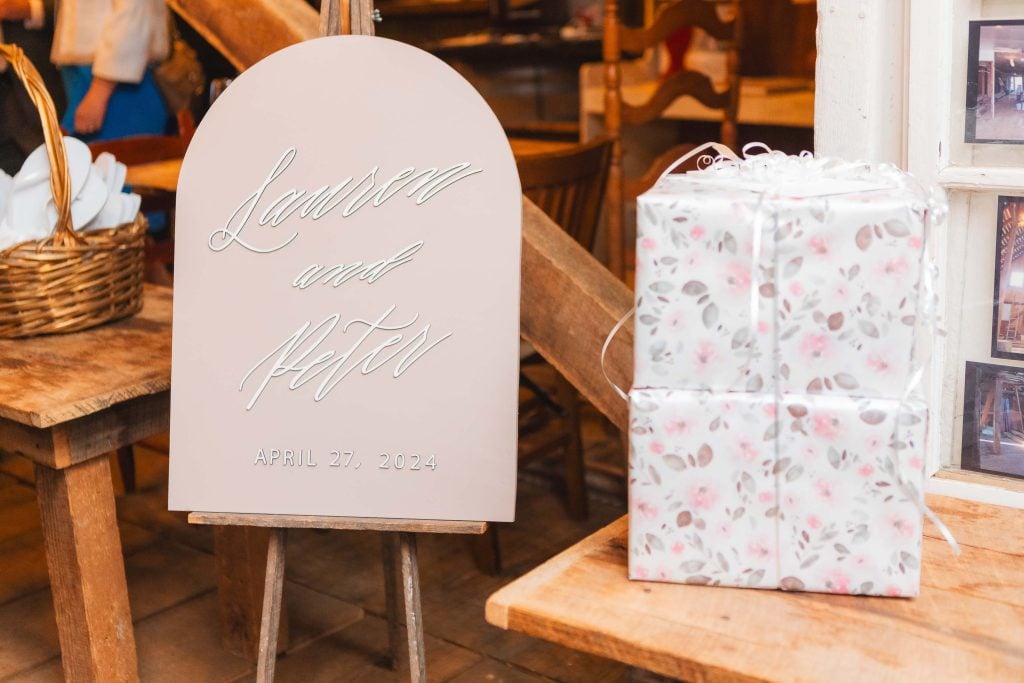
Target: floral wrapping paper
x,y
773,440
818,495
836,284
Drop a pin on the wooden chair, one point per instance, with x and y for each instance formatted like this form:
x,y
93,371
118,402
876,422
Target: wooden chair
x,y
568,186
142,149
617,114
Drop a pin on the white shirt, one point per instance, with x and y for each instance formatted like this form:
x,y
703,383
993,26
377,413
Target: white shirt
x,y
118,38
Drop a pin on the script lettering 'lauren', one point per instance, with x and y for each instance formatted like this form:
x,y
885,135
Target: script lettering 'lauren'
x,y
314,204
295,355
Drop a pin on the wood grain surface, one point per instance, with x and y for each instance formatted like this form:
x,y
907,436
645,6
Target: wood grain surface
x,y
52,379
241,565
967,625
418,526
569,303
83,554
246,31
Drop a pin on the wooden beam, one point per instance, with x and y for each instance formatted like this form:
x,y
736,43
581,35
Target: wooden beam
x,y
568,305
246,31
89,436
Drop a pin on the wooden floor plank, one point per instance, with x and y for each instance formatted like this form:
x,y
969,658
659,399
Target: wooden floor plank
x,y
23,561
183,643
158,578
167,558
360,653
497,672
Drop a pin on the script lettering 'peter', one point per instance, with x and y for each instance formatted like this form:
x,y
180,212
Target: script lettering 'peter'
x,y
314,204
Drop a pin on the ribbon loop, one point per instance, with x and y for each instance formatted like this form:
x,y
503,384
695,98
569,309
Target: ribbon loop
x,y
604,352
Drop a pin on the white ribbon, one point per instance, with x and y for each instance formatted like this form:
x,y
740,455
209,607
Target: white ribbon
x,y
773,168
604,352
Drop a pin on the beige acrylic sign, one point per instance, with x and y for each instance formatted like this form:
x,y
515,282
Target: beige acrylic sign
x,y
346,302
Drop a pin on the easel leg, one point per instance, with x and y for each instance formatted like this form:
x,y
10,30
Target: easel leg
x,y
272,589
241,561
387,541
413,609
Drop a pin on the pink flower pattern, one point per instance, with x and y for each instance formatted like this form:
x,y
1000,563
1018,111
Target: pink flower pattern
x,y
845,523
730,487
821,301
814,346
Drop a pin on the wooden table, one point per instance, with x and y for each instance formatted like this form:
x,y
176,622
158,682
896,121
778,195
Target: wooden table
x,y
66,401
163,175
763,102
157,175
967,625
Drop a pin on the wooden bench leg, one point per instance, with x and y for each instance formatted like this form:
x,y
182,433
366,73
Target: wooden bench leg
x,y
126,463
83,554
241,562
388,542
413,608
272,592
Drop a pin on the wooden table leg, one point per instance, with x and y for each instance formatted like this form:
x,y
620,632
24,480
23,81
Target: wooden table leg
x,y
83,554
413,609
388,542
272,594
486,550
241,561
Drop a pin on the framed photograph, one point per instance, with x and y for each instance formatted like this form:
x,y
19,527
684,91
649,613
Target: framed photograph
x,y
1008,294
995,82
993,436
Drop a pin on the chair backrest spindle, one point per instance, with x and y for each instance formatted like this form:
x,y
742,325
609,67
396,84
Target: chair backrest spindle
x,y
568,185
702,14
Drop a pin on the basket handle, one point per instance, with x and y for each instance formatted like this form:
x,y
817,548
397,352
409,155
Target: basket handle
x,y
60,177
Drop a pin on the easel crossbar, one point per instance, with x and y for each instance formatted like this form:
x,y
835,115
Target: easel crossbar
x,y
414,526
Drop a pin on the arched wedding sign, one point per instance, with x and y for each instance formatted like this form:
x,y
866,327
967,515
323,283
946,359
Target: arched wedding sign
x,y
346,304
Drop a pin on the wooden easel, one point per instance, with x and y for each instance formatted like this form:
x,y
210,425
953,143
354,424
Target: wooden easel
x,y
346,17
400,532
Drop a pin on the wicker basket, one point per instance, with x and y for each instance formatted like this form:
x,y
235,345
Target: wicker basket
x,y
68,281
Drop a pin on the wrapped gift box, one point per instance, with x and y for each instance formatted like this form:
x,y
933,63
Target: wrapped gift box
x,y
834,280
817,493
775,437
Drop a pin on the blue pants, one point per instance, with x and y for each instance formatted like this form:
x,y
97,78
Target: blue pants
x,y
134,109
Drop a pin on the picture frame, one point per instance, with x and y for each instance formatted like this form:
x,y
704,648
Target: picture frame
x,y
993,422
1008,280
991,117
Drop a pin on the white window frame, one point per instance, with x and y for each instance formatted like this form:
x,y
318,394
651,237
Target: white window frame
x,y
887,75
